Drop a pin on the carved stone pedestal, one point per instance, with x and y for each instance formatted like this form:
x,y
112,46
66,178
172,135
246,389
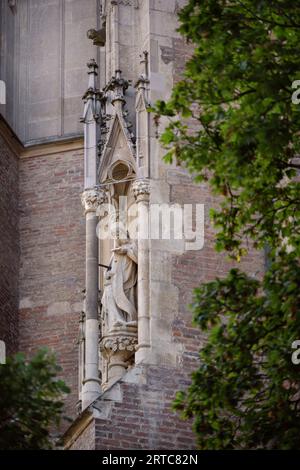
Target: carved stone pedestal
x,y
118,349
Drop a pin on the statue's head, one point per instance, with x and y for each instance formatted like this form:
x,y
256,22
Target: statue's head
x,y
119,232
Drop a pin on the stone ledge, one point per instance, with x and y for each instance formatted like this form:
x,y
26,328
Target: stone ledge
x,y
51,147
40,147
77,428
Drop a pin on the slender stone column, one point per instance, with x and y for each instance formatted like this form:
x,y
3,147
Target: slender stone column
x,y
91,199
141,191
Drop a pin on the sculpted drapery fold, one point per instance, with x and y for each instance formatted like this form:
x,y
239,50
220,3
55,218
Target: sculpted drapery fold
x,y
119,296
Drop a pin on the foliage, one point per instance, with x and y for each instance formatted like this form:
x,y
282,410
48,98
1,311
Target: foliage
x,y
233,124
30,401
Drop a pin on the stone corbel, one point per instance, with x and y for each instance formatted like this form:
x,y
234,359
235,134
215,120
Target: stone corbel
x,y
118,349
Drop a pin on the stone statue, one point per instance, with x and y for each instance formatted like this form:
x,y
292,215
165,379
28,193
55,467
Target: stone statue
x,y
119,295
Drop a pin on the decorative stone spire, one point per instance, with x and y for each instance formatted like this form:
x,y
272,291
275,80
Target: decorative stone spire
x,y
92,123
92,96
118,86
92,72
143,79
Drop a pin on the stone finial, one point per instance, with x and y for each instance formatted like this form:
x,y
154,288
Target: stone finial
x,y
118,85
141,189
92,198
92,66
92,92
143,79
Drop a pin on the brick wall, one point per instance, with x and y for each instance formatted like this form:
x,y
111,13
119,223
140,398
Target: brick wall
x,y
9,247
193,268
144,418
52,271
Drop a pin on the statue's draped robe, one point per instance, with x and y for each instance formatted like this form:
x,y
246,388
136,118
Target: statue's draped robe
x,y
119,296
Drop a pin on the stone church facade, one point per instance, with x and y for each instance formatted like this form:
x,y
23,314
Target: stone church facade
x,y
115,311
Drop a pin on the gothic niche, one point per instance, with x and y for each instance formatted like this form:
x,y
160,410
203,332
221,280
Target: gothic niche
x,y
118,251
119,311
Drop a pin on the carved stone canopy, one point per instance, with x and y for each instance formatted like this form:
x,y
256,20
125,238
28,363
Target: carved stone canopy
x,y
118,150
118,141
92,97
